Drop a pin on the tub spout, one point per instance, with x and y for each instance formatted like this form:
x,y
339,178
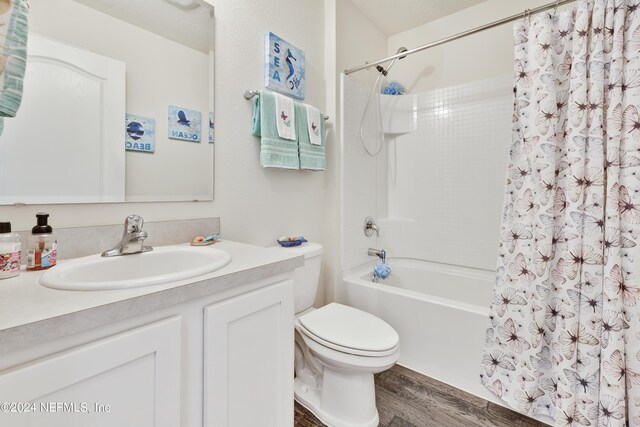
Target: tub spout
x,y
380,253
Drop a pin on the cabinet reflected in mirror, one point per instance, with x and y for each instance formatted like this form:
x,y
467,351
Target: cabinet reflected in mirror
x,y
102,74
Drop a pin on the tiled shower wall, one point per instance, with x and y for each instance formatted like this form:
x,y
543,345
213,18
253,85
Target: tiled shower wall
x,y
437,189
442,183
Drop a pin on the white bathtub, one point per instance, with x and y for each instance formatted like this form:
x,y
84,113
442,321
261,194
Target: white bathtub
x,y
439,311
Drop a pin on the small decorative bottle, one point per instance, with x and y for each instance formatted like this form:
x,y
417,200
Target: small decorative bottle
x,y
10,249
42,252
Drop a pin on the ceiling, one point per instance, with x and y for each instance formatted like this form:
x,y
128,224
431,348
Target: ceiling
x,y
191,26
393,17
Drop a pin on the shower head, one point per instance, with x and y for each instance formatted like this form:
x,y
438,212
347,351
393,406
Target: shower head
x,y
400,50
384,71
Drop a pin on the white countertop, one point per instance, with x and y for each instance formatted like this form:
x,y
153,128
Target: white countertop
x,y
26,306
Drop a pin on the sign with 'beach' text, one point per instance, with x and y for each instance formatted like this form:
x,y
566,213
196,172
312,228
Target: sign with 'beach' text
x,y
141,133
284,67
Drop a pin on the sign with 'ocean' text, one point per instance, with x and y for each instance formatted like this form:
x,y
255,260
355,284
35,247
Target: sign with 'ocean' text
x,y
184,124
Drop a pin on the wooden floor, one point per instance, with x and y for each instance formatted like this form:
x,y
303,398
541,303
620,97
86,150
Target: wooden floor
x,y
408,399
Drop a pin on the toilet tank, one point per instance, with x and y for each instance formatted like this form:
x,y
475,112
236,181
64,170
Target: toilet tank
x,y
307,277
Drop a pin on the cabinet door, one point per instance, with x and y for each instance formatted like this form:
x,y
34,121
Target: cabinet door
x,y
129,379
249,359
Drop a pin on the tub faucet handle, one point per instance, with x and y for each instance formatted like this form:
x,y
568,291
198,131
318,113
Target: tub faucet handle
x,y
370,227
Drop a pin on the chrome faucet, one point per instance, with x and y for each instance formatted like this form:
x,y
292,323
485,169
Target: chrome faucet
x,y
380,253
132,240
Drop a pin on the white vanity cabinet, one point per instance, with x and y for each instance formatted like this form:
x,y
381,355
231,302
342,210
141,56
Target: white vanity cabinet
x,y
128,379
248,364
221,359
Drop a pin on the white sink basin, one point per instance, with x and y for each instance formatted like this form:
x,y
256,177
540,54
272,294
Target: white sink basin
x,y
162,265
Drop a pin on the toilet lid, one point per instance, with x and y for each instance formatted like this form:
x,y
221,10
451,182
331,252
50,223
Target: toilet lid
x,y
350,328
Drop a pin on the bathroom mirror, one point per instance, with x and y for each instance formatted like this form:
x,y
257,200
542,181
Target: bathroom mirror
x,y
117,104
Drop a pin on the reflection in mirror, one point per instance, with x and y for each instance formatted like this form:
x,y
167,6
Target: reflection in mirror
x,y
104,75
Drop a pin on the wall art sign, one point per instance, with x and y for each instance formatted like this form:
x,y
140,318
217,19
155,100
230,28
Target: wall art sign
x,y
212,129
141,133
184,124
284,67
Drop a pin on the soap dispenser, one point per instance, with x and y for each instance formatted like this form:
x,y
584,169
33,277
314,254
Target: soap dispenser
x,y
9,252
42,251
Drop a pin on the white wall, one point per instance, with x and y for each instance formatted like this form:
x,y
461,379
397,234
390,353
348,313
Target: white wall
x,y
360,175
476,57
359,41
256,205
331,271
353,39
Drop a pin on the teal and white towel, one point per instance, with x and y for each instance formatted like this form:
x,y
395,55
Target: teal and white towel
x,y
275,152
286,119
14,27
312,157
313,124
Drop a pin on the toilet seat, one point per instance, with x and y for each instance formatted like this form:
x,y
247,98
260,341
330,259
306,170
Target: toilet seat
x,y
349,330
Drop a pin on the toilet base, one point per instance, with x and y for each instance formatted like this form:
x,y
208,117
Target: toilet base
x,y
337,386
342,401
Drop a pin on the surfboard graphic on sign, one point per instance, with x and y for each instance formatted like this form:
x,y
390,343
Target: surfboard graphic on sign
x,y
212,129
141,133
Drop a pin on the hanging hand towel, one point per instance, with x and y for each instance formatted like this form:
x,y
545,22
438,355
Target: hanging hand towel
x,y
286,119
312,157
275,152
14,25
313,125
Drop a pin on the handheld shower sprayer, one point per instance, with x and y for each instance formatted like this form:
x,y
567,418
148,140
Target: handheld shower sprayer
x,y
381,70
376,89
385,71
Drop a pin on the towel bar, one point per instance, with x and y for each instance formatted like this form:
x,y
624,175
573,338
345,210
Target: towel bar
x,y
248,94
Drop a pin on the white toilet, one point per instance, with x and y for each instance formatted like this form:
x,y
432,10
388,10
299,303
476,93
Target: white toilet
x,y
338,349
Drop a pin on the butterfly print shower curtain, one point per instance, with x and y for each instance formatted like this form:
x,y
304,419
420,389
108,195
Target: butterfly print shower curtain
x,y
564,334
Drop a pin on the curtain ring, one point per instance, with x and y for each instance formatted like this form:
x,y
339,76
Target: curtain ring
x,y
527,15
555,9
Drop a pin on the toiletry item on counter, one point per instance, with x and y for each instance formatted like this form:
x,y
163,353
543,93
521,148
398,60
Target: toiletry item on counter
x,y
287,242
42,253
10,249
205,241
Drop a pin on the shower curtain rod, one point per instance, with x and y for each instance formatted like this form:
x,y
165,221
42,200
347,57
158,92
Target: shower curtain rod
x,y
493,24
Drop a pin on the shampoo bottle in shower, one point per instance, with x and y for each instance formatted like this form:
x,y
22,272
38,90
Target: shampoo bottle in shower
x,y
42,253
9,252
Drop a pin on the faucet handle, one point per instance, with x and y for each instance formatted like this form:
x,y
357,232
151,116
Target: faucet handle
x,y
133,224
370,227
